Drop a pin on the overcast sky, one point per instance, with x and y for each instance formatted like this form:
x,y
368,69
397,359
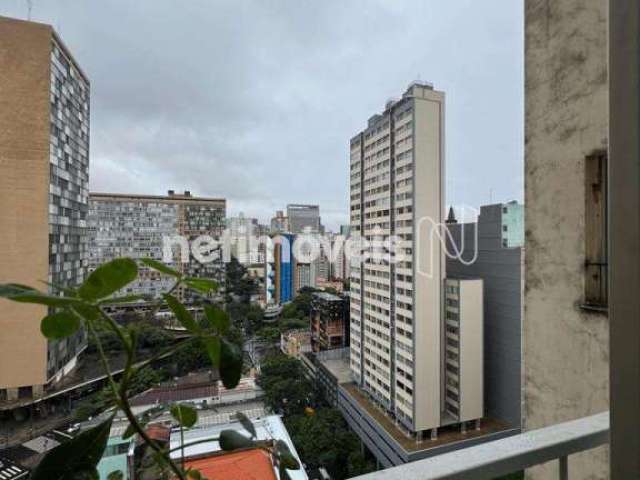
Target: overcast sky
x,y
256,101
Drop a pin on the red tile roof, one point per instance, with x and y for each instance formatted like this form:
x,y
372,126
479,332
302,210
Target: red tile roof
x,y
245,465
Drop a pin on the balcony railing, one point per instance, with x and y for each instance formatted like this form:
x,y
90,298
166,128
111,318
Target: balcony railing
x,y
508,455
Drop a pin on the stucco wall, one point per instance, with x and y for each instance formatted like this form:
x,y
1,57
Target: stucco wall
x,y
565,348
25,50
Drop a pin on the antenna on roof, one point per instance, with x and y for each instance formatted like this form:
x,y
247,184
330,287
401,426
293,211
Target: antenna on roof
x,y
29,8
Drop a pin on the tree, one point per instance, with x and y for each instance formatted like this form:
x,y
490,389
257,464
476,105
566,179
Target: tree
x,y
286,324
73,309
286,388
324,440
269,334
255,319
290,310
238,282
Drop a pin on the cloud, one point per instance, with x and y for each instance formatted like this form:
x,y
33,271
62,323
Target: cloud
x,y
256,101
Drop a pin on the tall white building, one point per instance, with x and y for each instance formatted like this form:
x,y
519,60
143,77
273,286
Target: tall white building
x,y
397,189
243,234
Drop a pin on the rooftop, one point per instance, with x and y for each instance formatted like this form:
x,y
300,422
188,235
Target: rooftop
x,y
267,428
244,465
329,297
171,197
446,435
336,363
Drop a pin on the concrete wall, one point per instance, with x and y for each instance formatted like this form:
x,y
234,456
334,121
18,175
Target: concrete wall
x,y
25,50
471,350
501,271
565,347
428,264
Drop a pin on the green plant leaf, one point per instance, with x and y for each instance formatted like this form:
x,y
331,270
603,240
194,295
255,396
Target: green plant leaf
x,y
160,267
34,296
116,475
70,292
108,278
217,318
246,424
89,474
11,289
129,432
195,474
286,457
181,313
212,345
232,440
124,299
86,311
59,325
184,415
203,285
79,455
282,470
230,364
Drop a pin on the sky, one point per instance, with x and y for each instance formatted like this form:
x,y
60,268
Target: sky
x,y
256,100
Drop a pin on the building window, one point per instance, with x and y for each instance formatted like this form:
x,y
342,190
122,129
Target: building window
x,y
596,235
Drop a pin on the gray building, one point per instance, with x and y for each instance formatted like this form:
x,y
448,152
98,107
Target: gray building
x,y
500,267
136,226
303,218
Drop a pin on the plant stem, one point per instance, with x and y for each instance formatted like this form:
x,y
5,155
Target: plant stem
x,y
121,393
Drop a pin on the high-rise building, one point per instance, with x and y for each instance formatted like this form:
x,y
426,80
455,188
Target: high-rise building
x,y
138,225
397,189
303,218
279,270
279,223
339,262
243,233
44,177
484,254
304,275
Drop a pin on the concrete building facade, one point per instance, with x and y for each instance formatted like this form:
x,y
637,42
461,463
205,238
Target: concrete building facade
x,y
44,178
301,218
463,370
329,321
397,171
483,255
136,226
566,326
241,230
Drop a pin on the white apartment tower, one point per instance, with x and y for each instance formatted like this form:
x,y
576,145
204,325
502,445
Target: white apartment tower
x,y
397,189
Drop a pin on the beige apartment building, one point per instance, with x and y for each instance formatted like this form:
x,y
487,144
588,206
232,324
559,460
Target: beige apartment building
x,y
44,176
396,311
566,324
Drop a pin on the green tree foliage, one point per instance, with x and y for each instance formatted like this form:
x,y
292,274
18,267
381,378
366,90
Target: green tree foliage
x,y
83,307
269,334
287,389
149,337
324,440
300,306
238,283
319,432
